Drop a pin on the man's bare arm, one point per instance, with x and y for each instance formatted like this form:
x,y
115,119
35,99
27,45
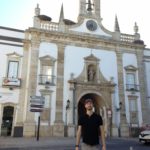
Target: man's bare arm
x,y
102,138
78,137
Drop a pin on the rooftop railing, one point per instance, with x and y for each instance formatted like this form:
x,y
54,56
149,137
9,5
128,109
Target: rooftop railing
x,y
51,26
127,38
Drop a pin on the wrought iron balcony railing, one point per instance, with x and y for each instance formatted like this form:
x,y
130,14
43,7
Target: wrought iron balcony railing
x,y
47,80
132,87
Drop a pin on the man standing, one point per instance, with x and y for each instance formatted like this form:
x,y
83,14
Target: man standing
x,y
90,127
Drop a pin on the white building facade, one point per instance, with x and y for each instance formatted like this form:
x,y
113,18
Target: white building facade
x,y
66,62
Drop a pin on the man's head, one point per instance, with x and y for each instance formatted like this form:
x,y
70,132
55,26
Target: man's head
x,y
88,103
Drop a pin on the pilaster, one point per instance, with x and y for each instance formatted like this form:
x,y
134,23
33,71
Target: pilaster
x,y
124,129
141,76
58,129
97,8
71,117
29,125
1,114
114,121
82,5
21,109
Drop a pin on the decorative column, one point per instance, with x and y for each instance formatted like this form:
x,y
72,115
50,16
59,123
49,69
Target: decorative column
x,y
114,120
97,73
97,8
72,114
82,10
58,129
123,129
82,6
85,72
141,77
36,20
25,118
1,114
20,113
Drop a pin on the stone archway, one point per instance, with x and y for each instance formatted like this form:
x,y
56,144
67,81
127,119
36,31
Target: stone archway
x,y
98,103
91,83
99,107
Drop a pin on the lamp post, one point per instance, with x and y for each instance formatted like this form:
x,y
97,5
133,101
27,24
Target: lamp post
x,y
109,114
67,107
72,83
118,109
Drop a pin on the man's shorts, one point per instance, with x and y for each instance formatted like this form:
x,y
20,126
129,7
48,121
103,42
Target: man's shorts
x,y
89,147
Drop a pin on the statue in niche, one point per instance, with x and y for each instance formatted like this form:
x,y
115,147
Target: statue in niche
x,y
91,74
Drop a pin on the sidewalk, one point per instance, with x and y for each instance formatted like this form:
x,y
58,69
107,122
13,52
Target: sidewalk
x,y
9,142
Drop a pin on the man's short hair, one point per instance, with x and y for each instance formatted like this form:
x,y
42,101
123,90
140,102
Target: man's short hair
x,y
88,100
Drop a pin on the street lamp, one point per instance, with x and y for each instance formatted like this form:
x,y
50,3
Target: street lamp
x,y
67,107
120,106
109,114
119,109
68,104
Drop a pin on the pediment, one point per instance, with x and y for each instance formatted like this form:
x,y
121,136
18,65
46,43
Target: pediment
x,y
47,57
14,54
91,58
91,73
94,29
131,68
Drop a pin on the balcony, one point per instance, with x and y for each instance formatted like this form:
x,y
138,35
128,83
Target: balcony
x,y
11,82
132,87
48,80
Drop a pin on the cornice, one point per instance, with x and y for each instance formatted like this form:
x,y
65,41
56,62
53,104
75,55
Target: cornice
x,y
75,38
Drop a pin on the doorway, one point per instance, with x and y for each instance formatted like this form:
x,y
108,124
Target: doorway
x,y
7,121
96,100
99,108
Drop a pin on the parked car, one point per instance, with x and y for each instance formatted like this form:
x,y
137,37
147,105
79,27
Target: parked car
x,y
144,135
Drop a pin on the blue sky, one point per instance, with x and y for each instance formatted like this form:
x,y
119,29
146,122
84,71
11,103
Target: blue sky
x,y
19,13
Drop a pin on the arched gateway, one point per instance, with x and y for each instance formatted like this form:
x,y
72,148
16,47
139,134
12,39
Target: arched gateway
x,y
100,107
91,83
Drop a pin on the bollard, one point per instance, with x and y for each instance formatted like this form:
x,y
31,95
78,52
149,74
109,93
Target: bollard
x,y
131,148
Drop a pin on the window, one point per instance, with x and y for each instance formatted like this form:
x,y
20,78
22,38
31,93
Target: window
x,y
12,77
131,78
47,73
133,105
46,114
13,69
130,81
47,65
133,111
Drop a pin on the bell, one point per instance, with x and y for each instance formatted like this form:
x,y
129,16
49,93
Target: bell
x,y
89,6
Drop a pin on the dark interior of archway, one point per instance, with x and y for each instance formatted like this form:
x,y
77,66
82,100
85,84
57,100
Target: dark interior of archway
x,y
94,97
7,120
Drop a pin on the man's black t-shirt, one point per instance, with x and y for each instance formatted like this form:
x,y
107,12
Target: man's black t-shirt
x,y
90,128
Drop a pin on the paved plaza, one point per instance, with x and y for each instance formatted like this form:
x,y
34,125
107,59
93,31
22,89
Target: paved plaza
x,y
65,143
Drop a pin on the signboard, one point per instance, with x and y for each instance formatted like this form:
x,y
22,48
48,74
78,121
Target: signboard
x,y
12,82
37,103
37,97
35,110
